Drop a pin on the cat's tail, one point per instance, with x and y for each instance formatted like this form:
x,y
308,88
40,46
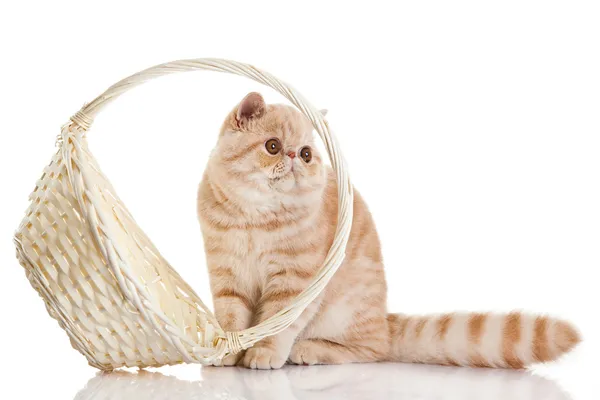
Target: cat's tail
x,y
513,340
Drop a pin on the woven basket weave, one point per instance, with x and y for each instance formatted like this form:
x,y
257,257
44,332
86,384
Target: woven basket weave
x,y
102,279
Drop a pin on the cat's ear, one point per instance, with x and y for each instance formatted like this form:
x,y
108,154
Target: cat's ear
x,y
324,112
252,106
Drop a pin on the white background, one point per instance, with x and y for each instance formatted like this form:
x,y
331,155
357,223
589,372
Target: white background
x,y
470,127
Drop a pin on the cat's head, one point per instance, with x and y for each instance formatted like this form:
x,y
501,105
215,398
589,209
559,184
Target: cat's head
x,y
269,148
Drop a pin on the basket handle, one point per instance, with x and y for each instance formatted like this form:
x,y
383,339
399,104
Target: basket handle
x,y
85,116
83,119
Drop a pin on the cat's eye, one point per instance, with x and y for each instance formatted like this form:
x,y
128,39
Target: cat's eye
x,y
306,154
273,146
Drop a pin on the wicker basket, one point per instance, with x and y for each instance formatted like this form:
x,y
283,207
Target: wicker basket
x,y
102,279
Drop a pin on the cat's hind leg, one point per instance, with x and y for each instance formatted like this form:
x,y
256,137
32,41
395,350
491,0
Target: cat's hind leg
x,y
322,351
363,341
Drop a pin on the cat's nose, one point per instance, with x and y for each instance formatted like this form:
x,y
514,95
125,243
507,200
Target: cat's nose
x,y
291,154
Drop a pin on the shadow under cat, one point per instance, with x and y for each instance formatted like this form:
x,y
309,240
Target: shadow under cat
x,y
350,381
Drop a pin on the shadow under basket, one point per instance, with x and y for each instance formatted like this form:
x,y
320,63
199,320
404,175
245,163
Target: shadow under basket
x,y
103,280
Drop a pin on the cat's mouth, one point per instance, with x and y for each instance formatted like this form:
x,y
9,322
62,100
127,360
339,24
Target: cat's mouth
x,y
284,181
283,177
282,172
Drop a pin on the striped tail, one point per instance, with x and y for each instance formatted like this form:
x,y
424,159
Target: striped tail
x,y
513,340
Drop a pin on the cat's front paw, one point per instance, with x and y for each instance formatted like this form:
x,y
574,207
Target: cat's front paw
x,y
260,357
229,361
305,352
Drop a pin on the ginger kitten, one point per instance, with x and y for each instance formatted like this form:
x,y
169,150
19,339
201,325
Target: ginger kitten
x,y
267,206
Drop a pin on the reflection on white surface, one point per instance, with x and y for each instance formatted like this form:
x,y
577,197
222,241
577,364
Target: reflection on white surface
x,y
353,381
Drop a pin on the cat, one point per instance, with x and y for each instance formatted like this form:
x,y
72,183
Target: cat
x,y
267,206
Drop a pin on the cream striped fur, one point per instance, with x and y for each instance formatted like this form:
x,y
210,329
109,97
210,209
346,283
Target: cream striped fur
x,y
513,340
267,207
